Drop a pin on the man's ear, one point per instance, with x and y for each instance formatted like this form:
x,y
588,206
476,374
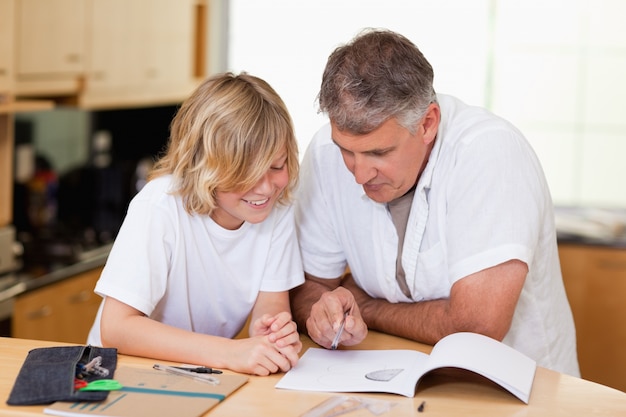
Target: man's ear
x,y
430,123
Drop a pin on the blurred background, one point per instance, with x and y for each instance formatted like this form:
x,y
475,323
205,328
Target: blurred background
x,y
553,67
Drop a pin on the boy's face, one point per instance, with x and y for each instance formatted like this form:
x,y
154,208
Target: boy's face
x,y
254,205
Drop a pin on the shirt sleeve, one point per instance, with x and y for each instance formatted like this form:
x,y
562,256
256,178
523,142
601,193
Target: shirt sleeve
x,y
137,267
322,251
496,200
284,265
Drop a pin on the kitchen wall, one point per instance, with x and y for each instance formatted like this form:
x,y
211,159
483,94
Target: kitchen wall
x,y
58,135
553,67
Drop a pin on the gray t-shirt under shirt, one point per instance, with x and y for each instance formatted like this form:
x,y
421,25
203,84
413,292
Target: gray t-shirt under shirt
x,y
399,210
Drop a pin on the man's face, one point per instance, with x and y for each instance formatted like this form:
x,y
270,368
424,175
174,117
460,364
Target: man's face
x,y
387,161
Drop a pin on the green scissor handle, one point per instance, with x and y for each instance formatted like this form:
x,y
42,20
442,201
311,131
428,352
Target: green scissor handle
x,y
102,385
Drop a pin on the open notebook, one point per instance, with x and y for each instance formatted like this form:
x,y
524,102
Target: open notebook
x,y
399,371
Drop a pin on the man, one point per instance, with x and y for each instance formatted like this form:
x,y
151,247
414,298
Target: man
x,y
440,210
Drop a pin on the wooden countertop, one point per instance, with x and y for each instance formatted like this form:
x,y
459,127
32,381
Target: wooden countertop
x,y
446,393
15,284
16,106
591,226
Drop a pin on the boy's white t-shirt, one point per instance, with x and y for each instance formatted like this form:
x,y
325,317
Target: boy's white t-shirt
x,y
189,272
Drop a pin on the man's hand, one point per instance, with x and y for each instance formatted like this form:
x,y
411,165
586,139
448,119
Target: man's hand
x,y
326,316
360,297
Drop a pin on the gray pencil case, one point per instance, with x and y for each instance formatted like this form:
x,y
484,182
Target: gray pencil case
x,y
55,374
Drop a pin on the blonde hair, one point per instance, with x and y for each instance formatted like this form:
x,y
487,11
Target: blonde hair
x,y
225,137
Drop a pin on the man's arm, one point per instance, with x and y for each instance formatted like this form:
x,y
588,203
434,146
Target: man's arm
x,y
483,302
319,306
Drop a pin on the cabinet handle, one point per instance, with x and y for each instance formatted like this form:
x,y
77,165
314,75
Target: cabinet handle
x,y
80,297
73,58
44,311
611,264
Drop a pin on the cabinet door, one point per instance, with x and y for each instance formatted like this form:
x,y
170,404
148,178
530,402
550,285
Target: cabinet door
x,y
115,46
169,32
6,169
141,50
6,121
6,45
50,37
63,312
595,281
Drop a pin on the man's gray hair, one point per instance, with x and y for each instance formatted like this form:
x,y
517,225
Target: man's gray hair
x,y
377,76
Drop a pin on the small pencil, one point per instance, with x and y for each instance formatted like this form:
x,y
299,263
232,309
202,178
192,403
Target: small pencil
x,y
335,343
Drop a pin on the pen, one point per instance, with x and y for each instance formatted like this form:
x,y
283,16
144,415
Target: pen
x,y
199,370
335,343
177,371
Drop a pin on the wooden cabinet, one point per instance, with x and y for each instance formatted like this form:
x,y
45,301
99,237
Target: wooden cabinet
x,y
6,46
141,51
107,53
94,54
50,46
170,39
51,37
62,312
6,120
595,281
6,169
